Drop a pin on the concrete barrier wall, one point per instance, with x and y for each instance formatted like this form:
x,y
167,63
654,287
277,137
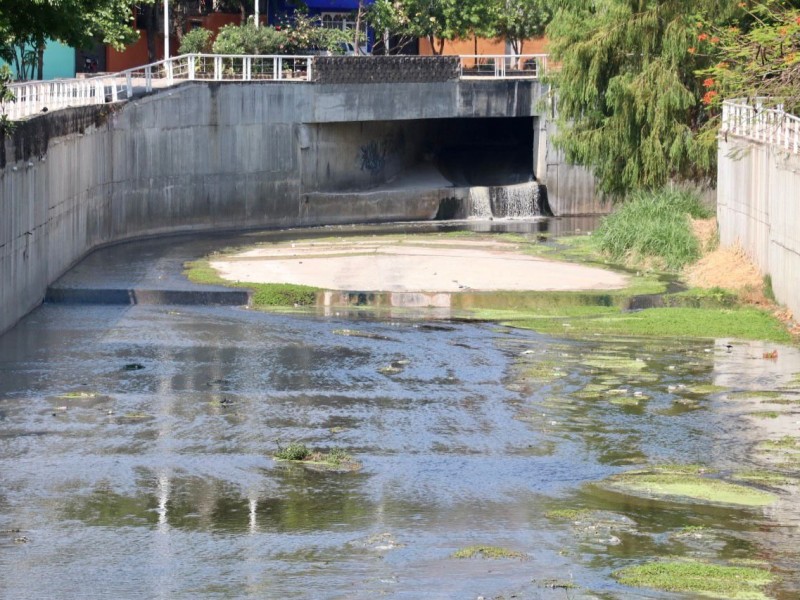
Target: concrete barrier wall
x,y
758,207
200,156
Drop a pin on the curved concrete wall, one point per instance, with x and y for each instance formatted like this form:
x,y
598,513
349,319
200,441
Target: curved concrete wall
x,y
202,156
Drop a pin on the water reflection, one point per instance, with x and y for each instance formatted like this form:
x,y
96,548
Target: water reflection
x,y
468,434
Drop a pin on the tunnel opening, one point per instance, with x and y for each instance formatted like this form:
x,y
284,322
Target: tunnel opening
x,y
466,167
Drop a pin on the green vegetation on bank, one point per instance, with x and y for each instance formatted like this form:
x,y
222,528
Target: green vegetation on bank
x,y
653,227
689,576
264,294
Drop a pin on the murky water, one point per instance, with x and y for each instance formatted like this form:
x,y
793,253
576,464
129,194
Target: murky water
x,y
137,442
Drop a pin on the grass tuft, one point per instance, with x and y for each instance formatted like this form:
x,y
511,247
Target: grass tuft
x,y
294,451
653,226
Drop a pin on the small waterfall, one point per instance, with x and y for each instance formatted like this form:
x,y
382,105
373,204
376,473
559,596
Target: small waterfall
x,y
517,201
480,203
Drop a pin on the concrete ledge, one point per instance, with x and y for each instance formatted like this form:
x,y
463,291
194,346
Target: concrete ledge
x,y
233,297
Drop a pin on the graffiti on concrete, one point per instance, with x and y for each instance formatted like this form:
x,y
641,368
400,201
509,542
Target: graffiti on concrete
x,y
373,157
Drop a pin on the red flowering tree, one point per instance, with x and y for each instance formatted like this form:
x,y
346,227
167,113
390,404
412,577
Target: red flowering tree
x,y
759,58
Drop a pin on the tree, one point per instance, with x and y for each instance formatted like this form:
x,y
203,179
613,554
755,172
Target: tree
x,y
6,96
760,57
628,94
249,39
79,23
435,20
519,20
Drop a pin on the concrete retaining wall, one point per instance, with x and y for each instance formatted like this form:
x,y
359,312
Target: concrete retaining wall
x,y
204,156
758,206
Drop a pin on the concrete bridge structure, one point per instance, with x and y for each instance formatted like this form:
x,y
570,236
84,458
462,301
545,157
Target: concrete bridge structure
x,y
364,140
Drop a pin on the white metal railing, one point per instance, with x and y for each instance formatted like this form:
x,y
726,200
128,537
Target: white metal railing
x,y
40,96
753,121
503,66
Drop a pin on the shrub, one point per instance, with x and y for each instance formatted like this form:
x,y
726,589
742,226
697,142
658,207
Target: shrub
x,y
249,39
653,225
283,294
196,41
294,451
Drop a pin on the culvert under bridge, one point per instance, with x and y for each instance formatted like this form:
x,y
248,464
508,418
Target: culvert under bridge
x,y
474,167
205,156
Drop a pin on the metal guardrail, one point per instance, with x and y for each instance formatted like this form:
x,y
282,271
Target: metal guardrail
x,y
41,96
503,66
772,126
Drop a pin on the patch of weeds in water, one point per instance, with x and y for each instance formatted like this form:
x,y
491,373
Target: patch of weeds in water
x,y
686,485
689,576
568,514
133,417
765,414
393,368
335,460
294,451
557,584
491,552
741,323
704,389
763,477
621,364
781,401
755,394
359,334
626,400
787,442
542,370
79,395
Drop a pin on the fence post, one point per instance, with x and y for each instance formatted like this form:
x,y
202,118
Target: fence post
x,y
129,83
280,67
191,66
99,92
217,68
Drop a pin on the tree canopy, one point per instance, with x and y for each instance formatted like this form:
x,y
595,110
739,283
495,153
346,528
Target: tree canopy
x,y
519,20
26,25
629,96
757,57
435,20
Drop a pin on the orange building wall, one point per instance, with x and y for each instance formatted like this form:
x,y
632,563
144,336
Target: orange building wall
x,y
485,46
135,55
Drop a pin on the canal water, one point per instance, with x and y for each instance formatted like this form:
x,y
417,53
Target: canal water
x,y
137,443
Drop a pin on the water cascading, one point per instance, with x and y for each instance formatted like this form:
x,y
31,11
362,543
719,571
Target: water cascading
x,y
480,203
517,201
